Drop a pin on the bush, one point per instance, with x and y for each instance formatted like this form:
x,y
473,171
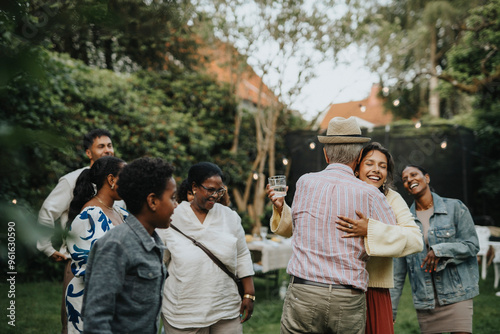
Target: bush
x,y
183,118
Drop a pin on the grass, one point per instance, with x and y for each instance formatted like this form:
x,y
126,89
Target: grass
x,y
38,309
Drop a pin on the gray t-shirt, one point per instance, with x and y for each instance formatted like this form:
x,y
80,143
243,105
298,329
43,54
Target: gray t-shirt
x,y
424,216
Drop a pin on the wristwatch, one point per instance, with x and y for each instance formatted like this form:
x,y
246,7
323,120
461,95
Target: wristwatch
x,y
249,296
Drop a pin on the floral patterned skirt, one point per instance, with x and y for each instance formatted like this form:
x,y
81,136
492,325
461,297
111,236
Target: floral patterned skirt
x,y
74,302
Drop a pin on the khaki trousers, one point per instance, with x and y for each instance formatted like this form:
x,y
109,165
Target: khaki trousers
x,y
313,309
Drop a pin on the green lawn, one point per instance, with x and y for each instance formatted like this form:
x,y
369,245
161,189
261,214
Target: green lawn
x,y
38,305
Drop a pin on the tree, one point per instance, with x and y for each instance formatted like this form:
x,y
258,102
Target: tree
x,y
474,68
183,118
283,42
49,100
408,41
113,34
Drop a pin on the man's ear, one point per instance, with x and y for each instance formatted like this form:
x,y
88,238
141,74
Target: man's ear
x,y
427,178
326,156
359,157
152,201
88,153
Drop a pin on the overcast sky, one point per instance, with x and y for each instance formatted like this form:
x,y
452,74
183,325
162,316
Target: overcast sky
x,y
336,83
346,80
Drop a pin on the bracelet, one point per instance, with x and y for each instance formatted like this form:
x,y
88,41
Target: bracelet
x,y
249,296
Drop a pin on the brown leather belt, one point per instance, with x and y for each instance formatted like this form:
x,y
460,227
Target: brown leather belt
x,y
298,280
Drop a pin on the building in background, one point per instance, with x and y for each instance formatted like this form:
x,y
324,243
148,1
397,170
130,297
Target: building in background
x,y
223,61
369,112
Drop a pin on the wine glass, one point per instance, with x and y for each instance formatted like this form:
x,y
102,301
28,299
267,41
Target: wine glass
x,y
263,232
278,184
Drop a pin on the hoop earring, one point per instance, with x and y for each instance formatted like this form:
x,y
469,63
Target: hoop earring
x,y
384,185
356,174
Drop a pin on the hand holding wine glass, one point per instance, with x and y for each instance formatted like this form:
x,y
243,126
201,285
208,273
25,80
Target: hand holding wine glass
x,y
278,185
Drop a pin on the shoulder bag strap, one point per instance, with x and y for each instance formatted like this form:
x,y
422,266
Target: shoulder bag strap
x,y
209,253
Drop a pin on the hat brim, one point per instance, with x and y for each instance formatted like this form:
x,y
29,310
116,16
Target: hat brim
x,y
343,139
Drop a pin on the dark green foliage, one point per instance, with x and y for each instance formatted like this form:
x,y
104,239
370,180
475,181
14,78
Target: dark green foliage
x,y
488,138
410,102
113,34
183,118
475,67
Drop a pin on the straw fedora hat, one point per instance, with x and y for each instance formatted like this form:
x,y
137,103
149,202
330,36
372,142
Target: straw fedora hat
x,y
343,131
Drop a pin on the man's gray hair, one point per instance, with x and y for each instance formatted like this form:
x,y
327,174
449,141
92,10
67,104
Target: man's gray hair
x,y
343,153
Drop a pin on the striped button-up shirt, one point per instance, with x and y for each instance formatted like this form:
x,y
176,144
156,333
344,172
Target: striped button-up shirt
x,y
319,252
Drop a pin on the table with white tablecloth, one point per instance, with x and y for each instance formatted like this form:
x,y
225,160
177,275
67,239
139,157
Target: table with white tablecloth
x,y
269,257
274,255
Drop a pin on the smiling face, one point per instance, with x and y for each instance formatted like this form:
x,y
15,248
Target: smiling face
x,y
373,168
414,181
206,199
101,147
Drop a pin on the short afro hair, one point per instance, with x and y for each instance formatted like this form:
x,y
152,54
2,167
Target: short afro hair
x,y
201,171
142,177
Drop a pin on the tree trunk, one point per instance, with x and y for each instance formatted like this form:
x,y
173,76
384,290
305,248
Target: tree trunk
x,y
236,132
236,73
272,139
434,97
242,200
108,53
258,202
264,120
433,82
84,36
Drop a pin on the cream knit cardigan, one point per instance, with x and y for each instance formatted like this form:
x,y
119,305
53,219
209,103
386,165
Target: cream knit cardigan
x,y
382,243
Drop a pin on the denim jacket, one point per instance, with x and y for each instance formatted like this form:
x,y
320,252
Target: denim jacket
x,y
124,281
453,238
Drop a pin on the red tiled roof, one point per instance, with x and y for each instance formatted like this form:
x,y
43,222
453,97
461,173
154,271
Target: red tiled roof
x,y
370,109
218,63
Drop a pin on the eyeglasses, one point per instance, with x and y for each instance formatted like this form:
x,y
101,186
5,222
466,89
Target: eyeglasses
x,y
212,192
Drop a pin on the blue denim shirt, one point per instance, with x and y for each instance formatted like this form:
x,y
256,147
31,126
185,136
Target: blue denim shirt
x,y
453,238
124,281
